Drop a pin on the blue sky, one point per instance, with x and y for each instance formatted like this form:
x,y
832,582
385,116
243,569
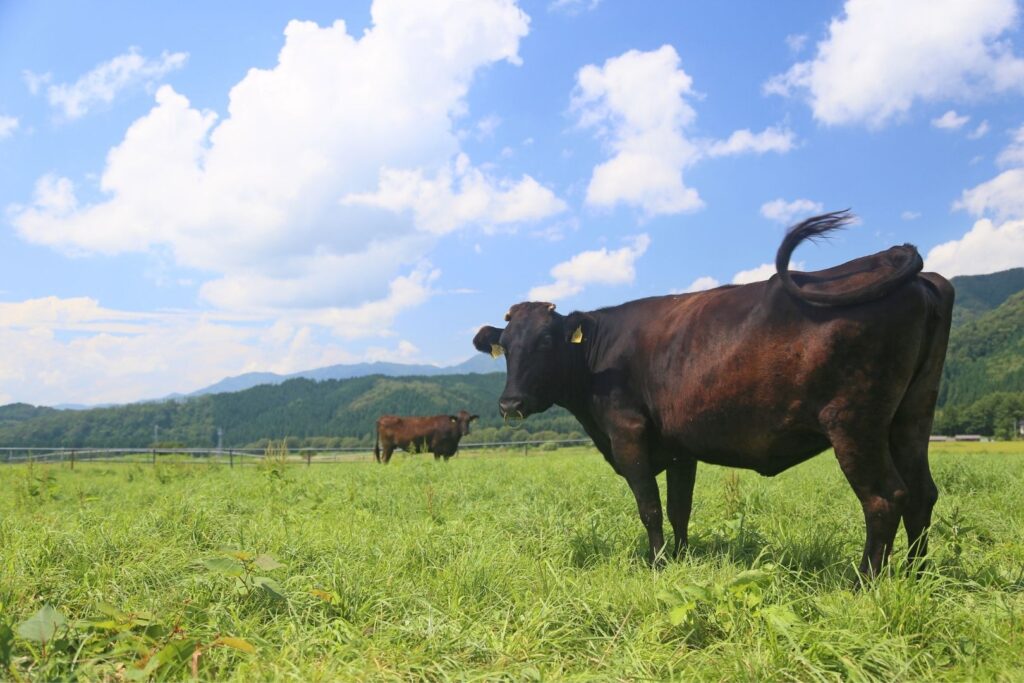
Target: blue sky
x,y
192,191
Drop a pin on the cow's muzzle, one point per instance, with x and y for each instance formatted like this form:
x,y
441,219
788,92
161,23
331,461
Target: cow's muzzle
x,y
511,409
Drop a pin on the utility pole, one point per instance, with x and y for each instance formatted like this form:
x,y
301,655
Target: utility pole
x,y
156,434
220,439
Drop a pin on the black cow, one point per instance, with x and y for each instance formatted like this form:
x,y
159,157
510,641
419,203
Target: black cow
x,y
439,434
761,376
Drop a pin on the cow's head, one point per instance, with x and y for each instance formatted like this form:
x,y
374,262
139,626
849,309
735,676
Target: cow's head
x,y
538,345
462,420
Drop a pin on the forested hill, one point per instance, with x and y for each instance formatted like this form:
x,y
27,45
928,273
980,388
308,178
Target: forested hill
x,y
983,380
978,294
327,413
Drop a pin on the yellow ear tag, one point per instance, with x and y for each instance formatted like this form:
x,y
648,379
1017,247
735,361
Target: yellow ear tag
x,y
496,350
577,336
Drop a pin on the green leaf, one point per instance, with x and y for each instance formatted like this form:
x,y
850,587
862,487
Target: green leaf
x,y
270,587
681,613
780,618
236,643
239,555
267,563
6,645
175,652
41,626
698,593
223,565
747,578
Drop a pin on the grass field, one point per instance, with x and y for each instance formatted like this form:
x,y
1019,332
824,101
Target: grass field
x,y
495,567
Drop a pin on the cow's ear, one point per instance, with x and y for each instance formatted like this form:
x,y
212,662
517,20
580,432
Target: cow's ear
x,y
474,417
486,340
453,418
578,328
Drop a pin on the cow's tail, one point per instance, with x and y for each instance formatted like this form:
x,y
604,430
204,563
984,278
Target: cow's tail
x,y
376,442
820,226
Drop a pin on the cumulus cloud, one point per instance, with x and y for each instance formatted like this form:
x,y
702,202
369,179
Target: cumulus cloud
x,y
996,241
637,106
881,57
328,180
1013,154
601,266
78,351
8,124
986,248
761,272
950,120
702,283
781,211
742,141
459,195
1001,197
104,82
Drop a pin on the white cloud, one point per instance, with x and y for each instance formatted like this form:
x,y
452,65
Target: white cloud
x,y
796,42
1001,197
8,124
105,81
600,266
573,7
761,272
741,141
636,104
486,126
881,57
34,81
458,196
986,248
950,120
910,215
702,283
77,351
1013,154
979,132
785,212
255,198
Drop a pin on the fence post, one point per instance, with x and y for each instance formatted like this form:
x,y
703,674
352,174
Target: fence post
x,y
526,449
153,451
309,456
231,458
72,459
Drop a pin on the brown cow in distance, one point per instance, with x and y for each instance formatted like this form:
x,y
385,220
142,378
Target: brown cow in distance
x,y
761,376
439,434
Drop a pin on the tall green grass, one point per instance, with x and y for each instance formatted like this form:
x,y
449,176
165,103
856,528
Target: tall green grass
x,y
484,568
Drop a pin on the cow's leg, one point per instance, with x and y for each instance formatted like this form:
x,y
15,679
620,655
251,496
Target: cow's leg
x,y
910,454
680,477
864,457
634,465
385,457
908,439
